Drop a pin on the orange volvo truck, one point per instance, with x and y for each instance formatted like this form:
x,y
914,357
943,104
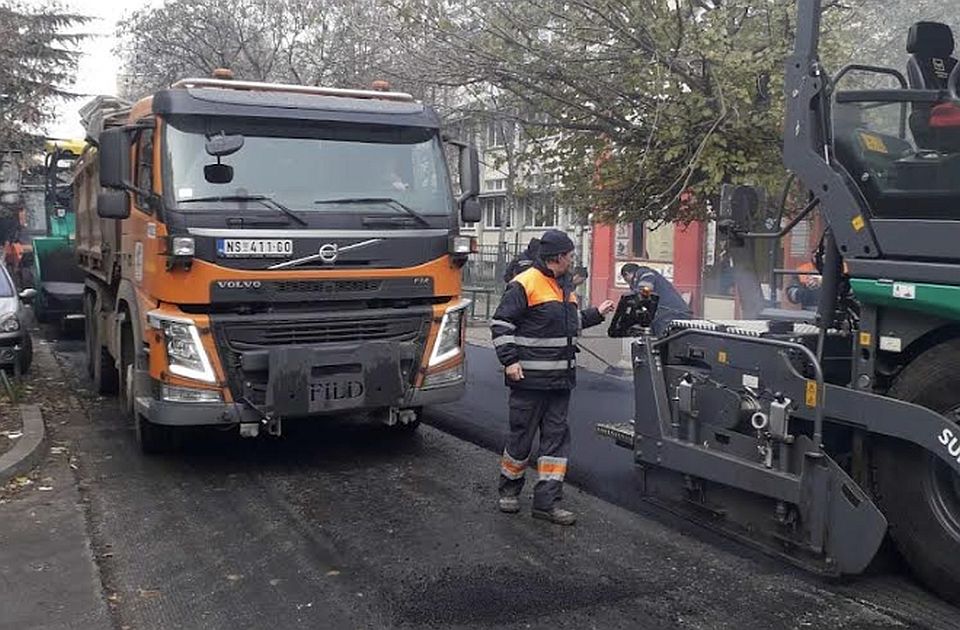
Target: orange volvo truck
x,y
260,252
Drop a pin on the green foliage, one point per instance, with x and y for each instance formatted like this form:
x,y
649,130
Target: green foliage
x,y
656,102
38,63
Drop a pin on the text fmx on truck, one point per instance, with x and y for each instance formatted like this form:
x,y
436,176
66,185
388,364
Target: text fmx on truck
x,y
257,252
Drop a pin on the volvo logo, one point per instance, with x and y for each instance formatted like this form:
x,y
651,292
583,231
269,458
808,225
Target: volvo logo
x,y
239,284
328,252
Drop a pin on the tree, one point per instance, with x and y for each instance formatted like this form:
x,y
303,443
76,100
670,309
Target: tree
x,y
339,43
883,25
38,63
655,101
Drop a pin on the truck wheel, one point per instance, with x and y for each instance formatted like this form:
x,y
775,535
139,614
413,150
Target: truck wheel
x,y
105,377
919,494
153,439
88,333
126,382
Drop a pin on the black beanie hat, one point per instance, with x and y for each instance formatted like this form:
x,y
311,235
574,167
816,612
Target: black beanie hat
x,y
554,242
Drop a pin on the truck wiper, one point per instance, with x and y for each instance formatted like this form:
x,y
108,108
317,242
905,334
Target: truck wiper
x,y
267,201
388,201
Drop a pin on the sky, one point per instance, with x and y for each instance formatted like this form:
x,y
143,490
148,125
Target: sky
x,y
97,73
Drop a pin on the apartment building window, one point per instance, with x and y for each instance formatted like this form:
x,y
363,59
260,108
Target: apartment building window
x,y
496,185
540,211
496,133
495,212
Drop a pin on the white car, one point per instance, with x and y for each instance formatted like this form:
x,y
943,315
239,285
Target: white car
x,y
16,346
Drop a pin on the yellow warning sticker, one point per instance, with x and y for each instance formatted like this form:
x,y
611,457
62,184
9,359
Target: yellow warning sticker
x,y
721,357
811,397
866,339
858,223
873,143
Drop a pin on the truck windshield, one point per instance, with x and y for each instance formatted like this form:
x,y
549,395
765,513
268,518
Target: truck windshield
x,y
299,167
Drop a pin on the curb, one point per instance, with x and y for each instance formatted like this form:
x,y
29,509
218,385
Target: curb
x,y
28,449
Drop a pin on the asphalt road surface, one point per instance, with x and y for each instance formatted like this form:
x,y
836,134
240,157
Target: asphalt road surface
x,y
346,525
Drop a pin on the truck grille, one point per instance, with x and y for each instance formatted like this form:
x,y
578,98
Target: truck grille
x,y
288,333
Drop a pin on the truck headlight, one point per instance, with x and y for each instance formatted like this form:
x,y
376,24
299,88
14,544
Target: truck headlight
x,y
10,324
182,246
463,245
188,395
186,356
447,344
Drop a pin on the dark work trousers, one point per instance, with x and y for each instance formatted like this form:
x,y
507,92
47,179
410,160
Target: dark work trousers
x,y
531,410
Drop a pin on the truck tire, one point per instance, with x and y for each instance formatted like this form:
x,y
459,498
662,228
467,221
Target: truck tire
x,y
105,377
104,374
88,332
919,494
153,439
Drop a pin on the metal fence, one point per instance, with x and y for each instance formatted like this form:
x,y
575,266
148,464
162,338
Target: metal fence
x,y
483,277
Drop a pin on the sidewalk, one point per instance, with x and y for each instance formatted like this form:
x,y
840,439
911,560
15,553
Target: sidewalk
x,y
48,577
598,352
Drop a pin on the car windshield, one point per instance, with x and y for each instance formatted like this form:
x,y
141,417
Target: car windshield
x,y
344,169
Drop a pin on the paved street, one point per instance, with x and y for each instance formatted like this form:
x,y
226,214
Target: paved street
x,y
343,525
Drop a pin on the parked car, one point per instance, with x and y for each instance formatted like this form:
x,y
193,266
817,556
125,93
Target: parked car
x,y
16,346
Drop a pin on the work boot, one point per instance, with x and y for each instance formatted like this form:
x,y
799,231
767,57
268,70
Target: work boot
x,y
509,505
556,515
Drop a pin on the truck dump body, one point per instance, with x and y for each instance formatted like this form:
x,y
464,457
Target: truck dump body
x,y
287,252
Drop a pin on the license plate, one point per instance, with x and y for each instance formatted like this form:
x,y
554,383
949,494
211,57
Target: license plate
x,y
336,391
254,248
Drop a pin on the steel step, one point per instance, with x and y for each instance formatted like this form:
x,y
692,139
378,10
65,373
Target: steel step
x,y
620,432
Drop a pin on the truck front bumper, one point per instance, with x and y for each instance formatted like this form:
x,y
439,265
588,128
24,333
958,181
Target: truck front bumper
x,y
184,414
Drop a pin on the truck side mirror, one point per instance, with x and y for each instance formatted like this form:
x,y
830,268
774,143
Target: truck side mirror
x,y
470,210
114,157
113,204
469,172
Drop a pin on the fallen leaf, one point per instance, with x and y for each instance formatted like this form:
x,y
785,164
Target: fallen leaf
x,y
113,597
147,594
